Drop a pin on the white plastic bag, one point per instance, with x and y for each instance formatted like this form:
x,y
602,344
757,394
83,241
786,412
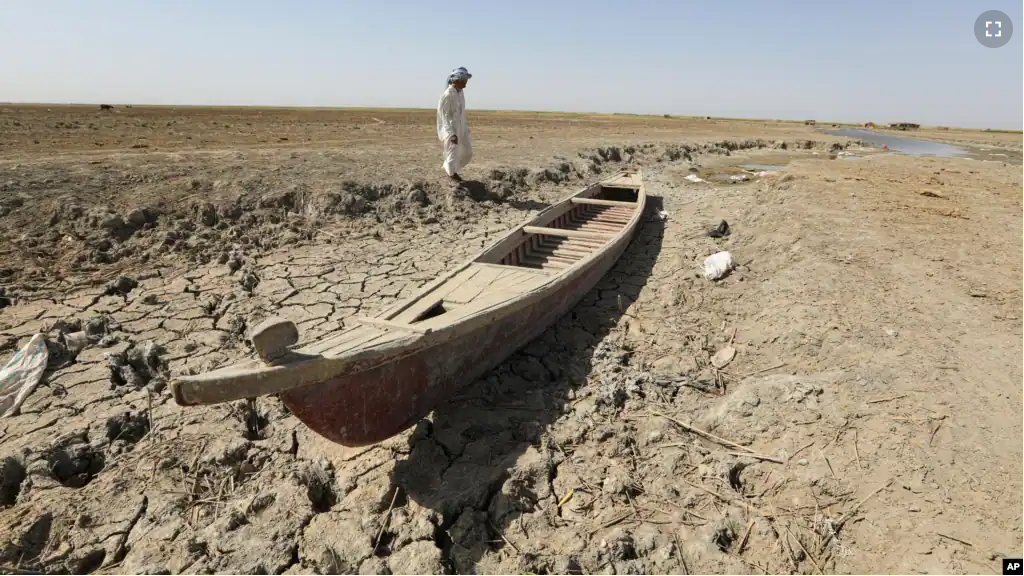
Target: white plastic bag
x,y
693,178
21,375
717,265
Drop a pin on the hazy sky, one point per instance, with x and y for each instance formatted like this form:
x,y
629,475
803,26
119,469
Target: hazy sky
x,y
883,60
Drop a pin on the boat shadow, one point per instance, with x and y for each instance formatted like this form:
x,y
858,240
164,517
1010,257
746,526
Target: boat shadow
x,y
487,457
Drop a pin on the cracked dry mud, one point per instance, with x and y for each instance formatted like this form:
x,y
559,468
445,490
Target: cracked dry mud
x,y
871,406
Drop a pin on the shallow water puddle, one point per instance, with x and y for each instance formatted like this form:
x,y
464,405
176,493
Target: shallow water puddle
x,y
901,144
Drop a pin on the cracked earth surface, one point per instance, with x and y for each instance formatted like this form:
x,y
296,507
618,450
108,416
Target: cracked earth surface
x,y
858,371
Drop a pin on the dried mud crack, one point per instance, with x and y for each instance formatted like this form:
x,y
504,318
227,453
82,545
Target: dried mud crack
x,y
837,377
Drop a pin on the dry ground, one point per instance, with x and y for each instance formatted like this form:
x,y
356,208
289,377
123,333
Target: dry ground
x,y
869,422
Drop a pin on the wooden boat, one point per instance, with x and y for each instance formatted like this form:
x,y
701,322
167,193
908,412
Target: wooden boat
x,y
369,382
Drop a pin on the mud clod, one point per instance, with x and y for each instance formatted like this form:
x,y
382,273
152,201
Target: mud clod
x,y
128,427
74,465
137,365
121,286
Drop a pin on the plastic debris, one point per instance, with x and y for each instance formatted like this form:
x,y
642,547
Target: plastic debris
x,y
717,265
693,178
21,375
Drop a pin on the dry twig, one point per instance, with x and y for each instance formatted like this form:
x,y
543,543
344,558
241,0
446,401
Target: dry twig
x,y
889,399
955,539
384,522
704,434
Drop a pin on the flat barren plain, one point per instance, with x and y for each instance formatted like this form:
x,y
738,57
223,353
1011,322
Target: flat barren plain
x,y
858,374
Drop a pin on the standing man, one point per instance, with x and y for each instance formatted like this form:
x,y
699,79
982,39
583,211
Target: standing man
x,y
452,129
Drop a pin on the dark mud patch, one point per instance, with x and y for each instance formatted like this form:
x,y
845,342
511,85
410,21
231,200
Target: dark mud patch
x,y
128,428
76,465
321,488
253,420
12,475
139,365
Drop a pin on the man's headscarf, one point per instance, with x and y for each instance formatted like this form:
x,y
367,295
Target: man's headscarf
x,y
459,73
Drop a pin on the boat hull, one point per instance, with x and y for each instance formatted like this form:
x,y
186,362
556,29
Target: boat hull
x,y
371,406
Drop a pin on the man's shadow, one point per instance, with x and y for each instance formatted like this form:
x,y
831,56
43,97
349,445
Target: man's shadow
x,y
478,461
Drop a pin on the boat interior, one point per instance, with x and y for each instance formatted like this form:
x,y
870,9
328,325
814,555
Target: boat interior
x,y
559,238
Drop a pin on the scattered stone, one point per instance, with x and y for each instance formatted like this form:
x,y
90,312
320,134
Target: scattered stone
x,y
723,357
121,285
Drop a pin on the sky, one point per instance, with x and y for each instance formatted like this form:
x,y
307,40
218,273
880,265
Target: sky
x,y
884,61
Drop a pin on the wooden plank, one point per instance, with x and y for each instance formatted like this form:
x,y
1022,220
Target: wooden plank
x,y
382,323
569,250
532,277
542,263
330,341
471,289
599,202
617,211
398,307
591,229
578,244
428,301
599,226
369,335
514,278
529,283
566,233
605,217
553,258
508,268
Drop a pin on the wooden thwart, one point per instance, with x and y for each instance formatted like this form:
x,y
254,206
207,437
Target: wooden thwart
x,y
599,202
566,233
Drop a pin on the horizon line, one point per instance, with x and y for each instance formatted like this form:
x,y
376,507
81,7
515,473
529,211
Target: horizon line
x,y
509,110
